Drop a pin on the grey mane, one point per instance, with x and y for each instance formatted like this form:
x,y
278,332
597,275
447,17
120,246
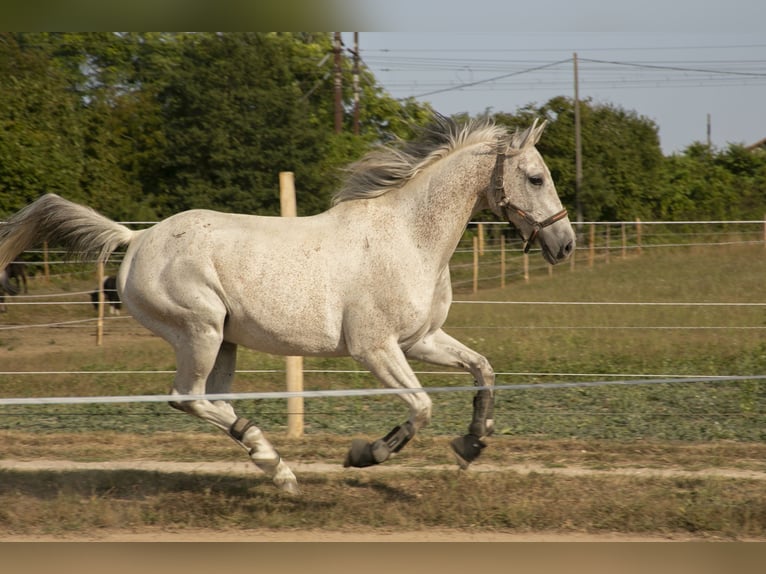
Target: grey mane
x,y
391,166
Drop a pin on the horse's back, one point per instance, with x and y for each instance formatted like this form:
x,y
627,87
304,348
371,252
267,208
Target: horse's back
x,y
268,276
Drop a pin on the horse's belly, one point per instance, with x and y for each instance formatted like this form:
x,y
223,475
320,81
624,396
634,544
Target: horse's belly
x,y
284,338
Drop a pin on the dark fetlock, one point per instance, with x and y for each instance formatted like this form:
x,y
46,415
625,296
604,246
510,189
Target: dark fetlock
x,y
363,453
481,428
467,448
483,407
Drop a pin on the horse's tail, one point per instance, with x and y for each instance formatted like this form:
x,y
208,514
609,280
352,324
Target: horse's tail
x,y
54,219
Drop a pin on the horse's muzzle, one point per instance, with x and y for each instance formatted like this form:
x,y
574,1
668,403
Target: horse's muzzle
x,y
555,250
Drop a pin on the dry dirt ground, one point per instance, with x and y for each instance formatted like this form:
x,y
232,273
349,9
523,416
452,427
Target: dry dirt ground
x,y
330,536
246,468
431,535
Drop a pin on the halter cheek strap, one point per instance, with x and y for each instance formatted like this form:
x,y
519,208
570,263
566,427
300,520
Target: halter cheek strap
x,y
508,207
536,225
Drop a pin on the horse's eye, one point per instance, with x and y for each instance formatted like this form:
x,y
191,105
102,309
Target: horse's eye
x,y
536,180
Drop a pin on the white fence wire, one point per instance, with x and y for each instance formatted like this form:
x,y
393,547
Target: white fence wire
x,y
357,392
595,238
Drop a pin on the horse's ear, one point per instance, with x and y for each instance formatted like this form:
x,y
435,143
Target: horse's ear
x,y
530,136
537,132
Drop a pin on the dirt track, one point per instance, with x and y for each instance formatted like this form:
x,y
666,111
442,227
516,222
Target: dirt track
x,y
245,468
197,535
431,535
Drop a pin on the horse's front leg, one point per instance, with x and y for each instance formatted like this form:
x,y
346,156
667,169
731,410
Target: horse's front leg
x,y
390,366
443,350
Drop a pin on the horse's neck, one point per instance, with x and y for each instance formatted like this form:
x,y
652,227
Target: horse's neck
x,y
441,200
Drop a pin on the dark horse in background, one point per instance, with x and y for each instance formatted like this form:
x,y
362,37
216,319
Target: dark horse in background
x,y
16,273
111,297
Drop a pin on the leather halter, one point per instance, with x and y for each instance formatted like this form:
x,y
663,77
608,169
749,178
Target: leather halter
x,y
508,207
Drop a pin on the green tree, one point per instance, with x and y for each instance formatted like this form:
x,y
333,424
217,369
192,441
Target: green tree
x,y
621,156
140,126
117,77
40,135
242,108
748,170
100,74
702,183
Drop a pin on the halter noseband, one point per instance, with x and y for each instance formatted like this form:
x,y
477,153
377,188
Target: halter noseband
x,y
509,207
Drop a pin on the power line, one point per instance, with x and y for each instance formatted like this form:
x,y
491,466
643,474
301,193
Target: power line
x,y
605,49
493,79
674,68
598,73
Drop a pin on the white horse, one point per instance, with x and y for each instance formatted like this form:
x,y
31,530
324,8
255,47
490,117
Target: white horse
x,y
368,278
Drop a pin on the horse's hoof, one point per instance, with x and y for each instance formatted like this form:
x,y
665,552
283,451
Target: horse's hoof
x,y
282,477
358,452
289,487
363,453
467,448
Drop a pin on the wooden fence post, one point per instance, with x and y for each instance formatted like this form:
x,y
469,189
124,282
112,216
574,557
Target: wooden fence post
x,y
502,260
606,240
572,259
46,267
100,291
475,264
624,240
481,238
293,364
526,267
592,245
638,234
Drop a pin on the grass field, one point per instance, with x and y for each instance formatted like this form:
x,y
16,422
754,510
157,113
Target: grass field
x,y
525,343
689,425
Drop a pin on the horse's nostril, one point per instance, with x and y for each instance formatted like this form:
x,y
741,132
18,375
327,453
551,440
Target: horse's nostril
x,y
567,250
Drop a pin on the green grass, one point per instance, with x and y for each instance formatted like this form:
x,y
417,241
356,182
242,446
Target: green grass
x,y
543,339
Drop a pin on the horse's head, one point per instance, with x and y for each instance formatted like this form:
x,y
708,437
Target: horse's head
x,y
522,191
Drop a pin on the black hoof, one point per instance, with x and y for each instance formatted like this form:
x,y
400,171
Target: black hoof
x,y
467,448
363,453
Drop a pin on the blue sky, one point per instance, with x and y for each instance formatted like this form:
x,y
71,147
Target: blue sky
x,y
674,62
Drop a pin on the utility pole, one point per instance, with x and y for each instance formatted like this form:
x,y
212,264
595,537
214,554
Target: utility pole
x,y
356,83
338,85
578,143
709,139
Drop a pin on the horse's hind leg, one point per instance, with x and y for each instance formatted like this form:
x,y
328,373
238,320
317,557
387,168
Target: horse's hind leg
x,y
210,368
243,431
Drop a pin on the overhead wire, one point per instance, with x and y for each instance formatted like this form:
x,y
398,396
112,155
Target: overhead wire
x,y
595,73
